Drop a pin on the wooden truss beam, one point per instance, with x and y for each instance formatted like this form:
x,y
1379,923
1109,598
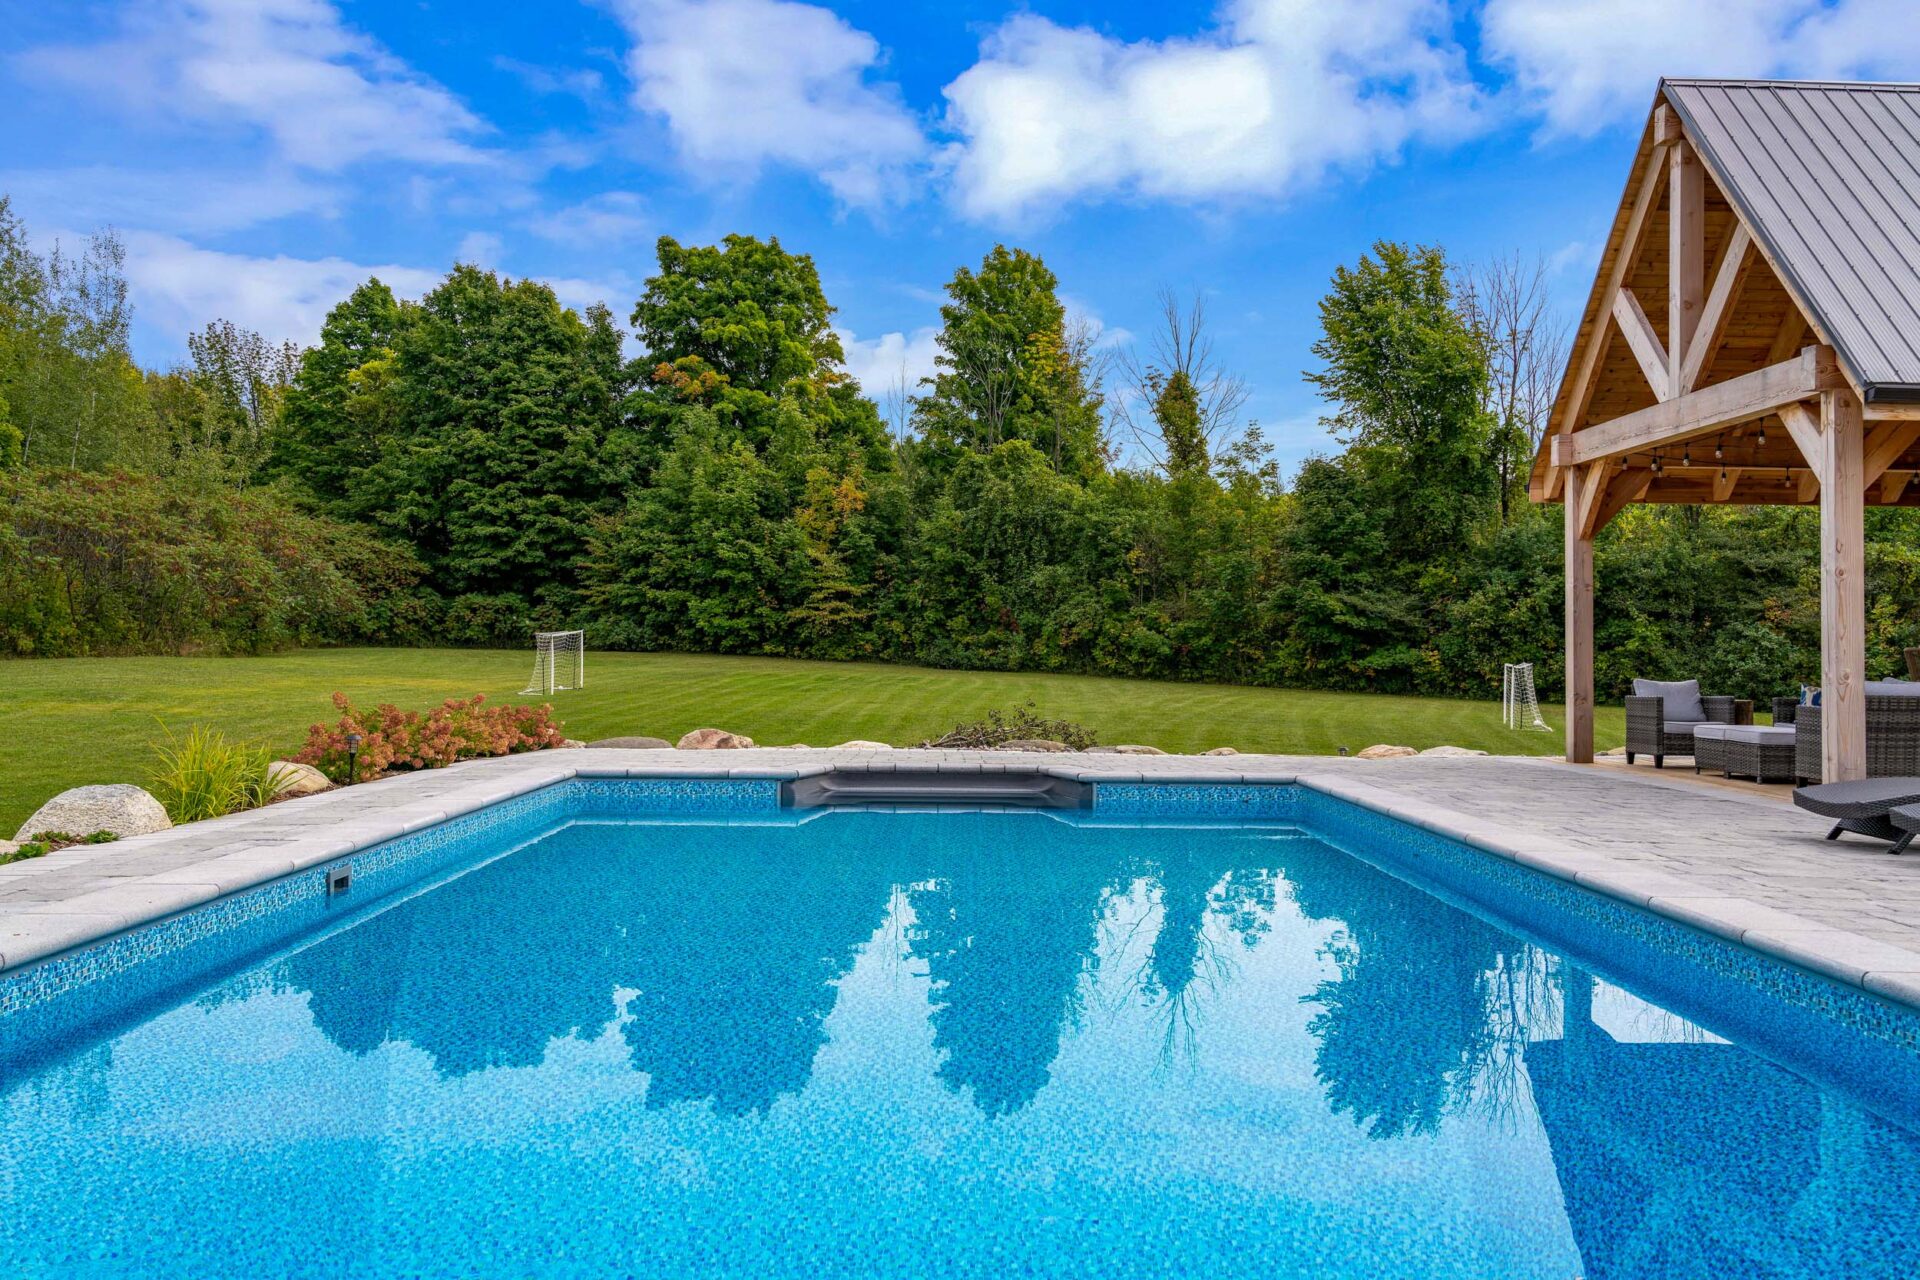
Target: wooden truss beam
x,y
1643,342
1734,263
1886,441
1704,411
1804,426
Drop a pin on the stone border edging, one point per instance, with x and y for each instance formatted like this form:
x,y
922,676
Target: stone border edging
x,y
37,932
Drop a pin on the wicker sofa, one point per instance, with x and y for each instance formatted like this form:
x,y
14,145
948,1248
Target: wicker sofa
x,y
1893,737
1651,733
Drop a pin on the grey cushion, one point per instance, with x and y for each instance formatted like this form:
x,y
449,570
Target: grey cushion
x,y
1708,730
1777,734
1683,726
1893,688
1680,699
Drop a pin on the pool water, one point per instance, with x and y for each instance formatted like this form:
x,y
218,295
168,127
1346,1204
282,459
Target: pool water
x,y
940,1045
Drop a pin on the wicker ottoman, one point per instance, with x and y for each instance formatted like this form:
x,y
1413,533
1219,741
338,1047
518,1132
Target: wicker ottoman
x,y
1763,752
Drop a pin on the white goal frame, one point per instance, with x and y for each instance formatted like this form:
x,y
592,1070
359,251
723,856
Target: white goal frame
x,y
559,662
1519,705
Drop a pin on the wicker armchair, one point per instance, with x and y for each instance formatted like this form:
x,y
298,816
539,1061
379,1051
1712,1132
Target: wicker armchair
x,y
1893,738
1785,709
1648,735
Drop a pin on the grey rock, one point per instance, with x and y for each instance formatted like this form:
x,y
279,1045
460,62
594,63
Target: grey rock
x,y
1385,751
570,744
863,744
293,779
1221,751
1033,744
1452,751
713,740
119,807
638,742
1135,749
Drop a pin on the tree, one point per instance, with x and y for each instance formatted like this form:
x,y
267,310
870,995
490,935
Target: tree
x,y
1409,377
1506,304
1011,368
1185,390
497,458
743,328
341,406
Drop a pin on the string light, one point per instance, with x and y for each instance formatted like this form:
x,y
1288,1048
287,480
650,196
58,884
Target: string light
x,y
1761,439
1686,456
1718,453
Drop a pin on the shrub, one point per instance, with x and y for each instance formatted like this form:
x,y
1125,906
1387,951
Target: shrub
x,y
1001,727
45,842
109,563
205,775
457,729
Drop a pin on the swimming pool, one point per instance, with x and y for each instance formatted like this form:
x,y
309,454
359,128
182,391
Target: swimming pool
x,y
673,1028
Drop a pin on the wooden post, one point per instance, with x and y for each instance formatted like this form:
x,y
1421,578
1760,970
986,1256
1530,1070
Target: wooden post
x,y
1579,678
1686,257
1843,588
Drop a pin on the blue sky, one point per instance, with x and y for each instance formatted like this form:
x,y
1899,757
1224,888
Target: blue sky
x,y
260,157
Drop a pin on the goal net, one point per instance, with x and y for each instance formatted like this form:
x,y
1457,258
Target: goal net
x,y
559,661
1519,705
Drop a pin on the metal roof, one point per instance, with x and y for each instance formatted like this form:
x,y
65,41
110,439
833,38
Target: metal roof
x,y
1827,177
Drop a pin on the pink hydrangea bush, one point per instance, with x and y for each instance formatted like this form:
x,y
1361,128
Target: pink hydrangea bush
x,y
457,729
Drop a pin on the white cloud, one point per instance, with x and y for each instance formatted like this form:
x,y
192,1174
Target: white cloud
x,y
608,220
327,95
1282,92
879,364
97,195
747,83
583,83
481,248
1586,65
177,287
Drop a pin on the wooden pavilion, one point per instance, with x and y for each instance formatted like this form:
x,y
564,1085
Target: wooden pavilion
x,y
1753,336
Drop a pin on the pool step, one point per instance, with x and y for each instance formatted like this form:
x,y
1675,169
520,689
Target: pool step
x,y
1020,790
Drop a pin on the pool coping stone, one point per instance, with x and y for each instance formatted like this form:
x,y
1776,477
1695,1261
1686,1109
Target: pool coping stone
x,y
298,835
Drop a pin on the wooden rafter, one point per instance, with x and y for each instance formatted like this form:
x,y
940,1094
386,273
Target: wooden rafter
x,y
1593,493
1725,482
1705,411
1643,342
1792,336
1652,181
1893,484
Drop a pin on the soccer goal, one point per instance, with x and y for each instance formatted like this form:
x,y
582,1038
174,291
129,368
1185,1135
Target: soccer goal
x,y
1519,705
559,661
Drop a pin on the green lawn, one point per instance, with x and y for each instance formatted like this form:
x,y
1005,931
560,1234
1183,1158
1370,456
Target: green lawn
x,y
73,721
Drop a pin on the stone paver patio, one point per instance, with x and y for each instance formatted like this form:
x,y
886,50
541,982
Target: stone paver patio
x,y
1741,865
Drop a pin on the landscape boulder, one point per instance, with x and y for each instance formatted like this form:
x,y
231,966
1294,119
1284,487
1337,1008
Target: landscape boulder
x,y
1222,751
863,744
1385,751
571,744
1452,751
1135,749
119,807
1033,744
713,740
292,779
638,742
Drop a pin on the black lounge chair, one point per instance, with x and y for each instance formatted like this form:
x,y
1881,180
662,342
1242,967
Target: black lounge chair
x,y
1907,818
1866,808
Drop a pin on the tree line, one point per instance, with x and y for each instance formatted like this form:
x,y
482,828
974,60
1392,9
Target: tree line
x,y
482,461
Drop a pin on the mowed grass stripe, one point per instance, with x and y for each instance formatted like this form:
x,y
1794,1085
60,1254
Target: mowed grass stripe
x,y
74,721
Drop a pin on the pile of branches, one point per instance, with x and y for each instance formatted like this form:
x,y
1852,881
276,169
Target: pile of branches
x,y
1022,724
